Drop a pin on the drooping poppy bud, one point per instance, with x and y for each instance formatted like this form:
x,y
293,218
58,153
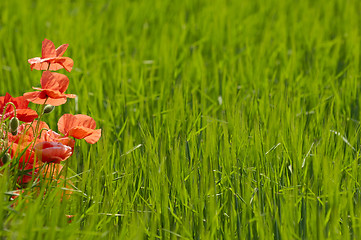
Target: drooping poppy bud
x,y
14,124
6,158
48,108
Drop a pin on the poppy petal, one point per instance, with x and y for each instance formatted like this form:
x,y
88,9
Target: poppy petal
x,y
54,81
39,66
34,60
26,115
55,66
20,102
66,122
80,132
94,137
48,49
47,81
86,121
66,62
56,101
61,50
53,93
32,96
70,95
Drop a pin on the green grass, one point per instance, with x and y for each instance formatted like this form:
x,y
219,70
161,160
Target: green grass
x,y
221,119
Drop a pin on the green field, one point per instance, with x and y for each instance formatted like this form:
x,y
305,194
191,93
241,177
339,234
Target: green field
x,y
223,119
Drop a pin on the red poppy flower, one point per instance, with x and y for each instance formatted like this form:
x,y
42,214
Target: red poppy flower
x,y
53,86
23,113
53,57
52,152
80,127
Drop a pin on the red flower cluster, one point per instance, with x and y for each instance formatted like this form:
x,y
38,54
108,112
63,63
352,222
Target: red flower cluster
x,y
32,150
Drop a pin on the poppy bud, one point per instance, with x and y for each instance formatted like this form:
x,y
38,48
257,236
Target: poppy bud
x,y
6,158
13,125
48,108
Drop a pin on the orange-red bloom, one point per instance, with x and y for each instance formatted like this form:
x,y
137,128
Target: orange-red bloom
x,y
53,57
23,113
53,86
52,152
80,127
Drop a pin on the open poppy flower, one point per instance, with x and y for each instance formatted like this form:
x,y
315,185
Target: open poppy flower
x,y
52,152
23,113
51,58
53,86
79,126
